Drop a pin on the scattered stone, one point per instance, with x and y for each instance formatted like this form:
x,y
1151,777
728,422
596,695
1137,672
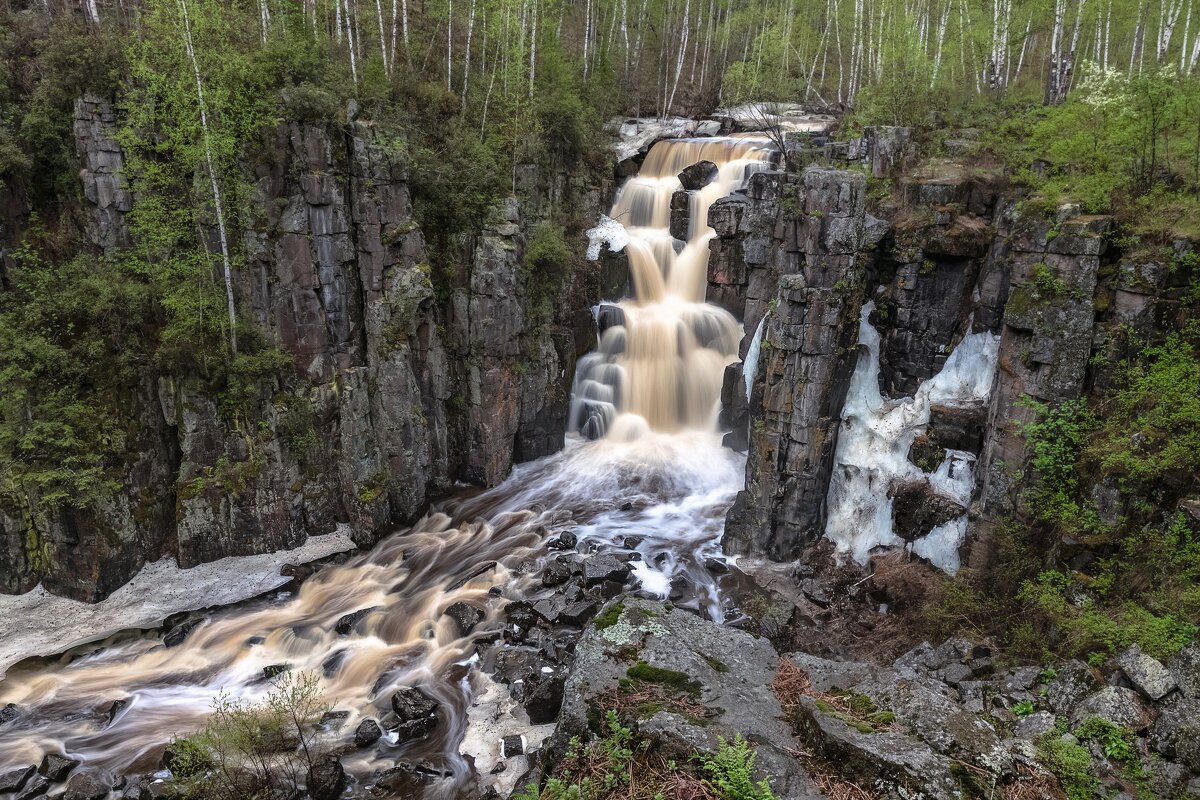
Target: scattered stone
x,y
416,712
86,786
815,591
326,778
513,745
346,624
981,666
466,616
176,635
56,767
698,175
604,567
954,674
545,697
367,733
14,779
1147,674
556,573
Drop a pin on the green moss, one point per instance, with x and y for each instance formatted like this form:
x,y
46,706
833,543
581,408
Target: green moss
x,y
860,713
719,666
608,617
643,671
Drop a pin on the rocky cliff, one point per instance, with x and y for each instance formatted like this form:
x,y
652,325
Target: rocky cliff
x,y
396,389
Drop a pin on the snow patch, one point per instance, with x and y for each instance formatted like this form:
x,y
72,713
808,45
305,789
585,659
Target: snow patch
x,y
38,623
608,231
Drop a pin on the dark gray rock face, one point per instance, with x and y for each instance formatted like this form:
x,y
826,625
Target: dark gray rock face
x,y
15,779
416,712
395,392
56,767
86,786
808,263
917,508
367,733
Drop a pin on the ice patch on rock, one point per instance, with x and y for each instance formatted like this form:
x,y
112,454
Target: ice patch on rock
x,y
750,365
608,231
873,445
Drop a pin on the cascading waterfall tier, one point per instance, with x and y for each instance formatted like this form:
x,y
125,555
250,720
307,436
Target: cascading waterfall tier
x,y
876,435
660,362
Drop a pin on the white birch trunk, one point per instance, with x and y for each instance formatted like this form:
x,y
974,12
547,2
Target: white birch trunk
x,y
227,266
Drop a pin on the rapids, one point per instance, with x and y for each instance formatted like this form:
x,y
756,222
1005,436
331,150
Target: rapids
x,y
660,474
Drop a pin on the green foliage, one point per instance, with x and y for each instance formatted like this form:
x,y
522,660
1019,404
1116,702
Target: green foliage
x,y
71,335
731,769
1056,438
1151,427
253,751
1023,708
1116,742
1070,763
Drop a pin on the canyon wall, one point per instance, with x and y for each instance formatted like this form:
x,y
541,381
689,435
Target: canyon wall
x,y
398,388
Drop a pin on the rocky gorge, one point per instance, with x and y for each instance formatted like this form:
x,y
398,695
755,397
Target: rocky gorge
x,y
847,262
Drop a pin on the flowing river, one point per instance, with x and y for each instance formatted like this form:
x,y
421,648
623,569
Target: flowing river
x,y
646,462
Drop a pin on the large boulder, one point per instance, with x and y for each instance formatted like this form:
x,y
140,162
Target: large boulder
x,y
1176,733
1147,674
56,767
1185,669
326,778
416,712
1116,704
698,175
86,786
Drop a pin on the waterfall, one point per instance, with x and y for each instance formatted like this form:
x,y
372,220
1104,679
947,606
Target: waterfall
x,y
655,489
659,365
876,435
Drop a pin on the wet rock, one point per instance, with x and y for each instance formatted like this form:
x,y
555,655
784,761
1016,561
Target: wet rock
x,y
1176,733
275,670
465,615
56,767
680,217
1146,673
9,712
115,710
607,316
545,697
717,566
346,624
482,569
917,509
86,786
604,567
1120,706
176,635
15,779
333,720
37,786
326,778
564,541
698,175
416,712
367,733
513,745
556,573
